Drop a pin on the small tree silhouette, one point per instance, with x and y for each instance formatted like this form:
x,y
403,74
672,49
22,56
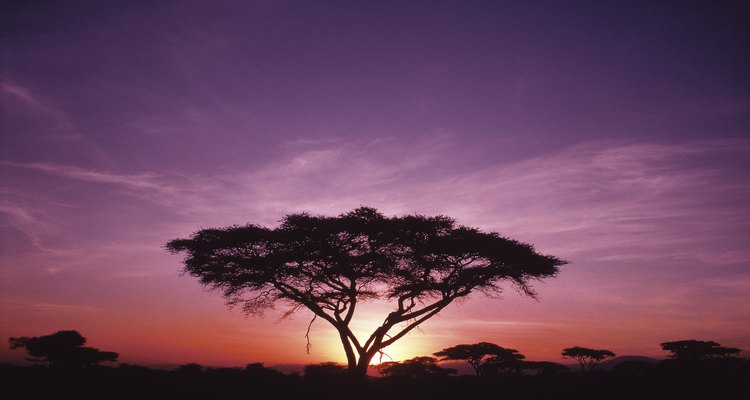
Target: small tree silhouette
x,y
698,350
587,358
61,349
481,355
330,265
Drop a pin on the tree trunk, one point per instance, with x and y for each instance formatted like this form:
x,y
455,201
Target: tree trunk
x,y
350,357
360,371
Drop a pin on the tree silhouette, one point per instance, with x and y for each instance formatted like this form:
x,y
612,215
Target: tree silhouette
x,y
329,265
61,349
417,367
481,355
587,358
698,350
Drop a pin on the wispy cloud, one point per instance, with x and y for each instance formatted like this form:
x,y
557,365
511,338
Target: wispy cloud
x,y
7,304
16,212
25,98
52,307
472,322
36,119
602,201
26,217
139,181
612,192
616,194
23,95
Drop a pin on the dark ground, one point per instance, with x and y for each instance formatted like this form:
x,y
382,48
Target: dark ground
x,y
667,380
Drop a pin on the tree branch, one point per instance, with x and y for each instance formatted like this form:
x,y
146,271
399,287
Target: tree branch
x,y
410,327
307,334
440,304
294,294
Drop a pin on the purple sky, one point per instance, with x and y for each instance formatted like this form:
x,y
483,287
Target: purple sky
x,y
614,135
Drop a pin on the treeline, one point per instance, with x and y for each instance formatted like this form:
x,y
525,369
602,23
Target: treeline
x,y
694,369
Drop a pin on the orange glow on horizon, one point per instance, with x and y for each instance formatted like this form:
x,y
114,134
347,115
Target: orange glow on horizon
x,y
211,335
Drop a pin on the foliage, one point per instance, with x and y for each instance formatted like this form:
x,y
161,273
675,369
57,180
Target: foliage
x,y
417,367
329,265
61,349
482,356
698,350
587,358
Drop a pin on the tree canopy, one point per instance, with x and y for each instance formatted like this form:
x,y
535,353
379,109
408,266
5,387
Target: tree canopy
x,y
329,265
61,349
698,350
481,355
587,358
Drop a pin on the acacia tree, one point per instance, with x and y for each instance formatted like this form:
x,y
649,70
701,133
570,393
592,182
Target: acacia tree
x,y
61,349
330,265
587,358
698,350
480,355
